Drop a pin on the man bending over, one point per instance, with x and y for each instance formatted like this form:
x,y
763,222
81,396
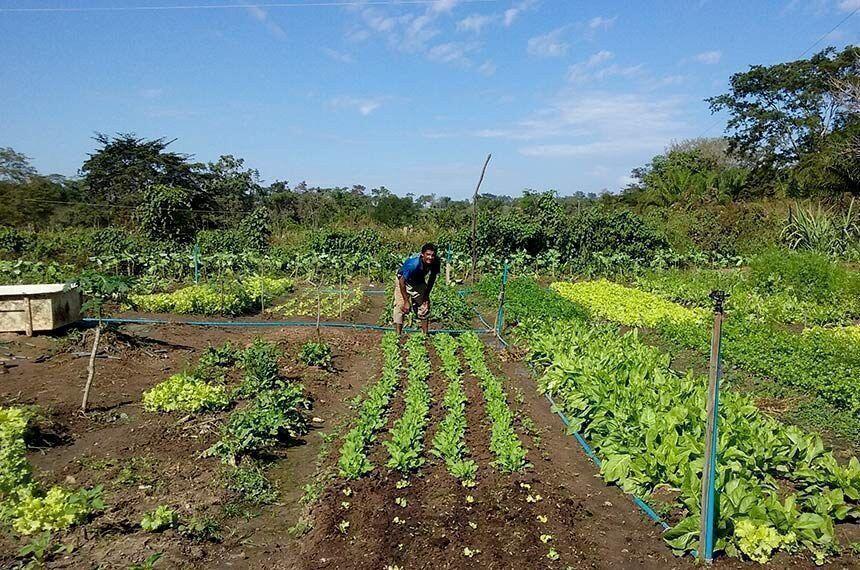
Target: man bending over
x,y
415,280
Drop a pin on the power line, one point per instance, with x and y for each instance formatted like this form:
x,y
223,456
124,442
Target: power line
x,y
333,4
122,207
833,29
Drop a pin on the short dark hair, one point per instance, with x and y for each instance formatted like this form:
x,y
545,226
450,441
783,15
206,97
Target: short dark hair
x,y
428,247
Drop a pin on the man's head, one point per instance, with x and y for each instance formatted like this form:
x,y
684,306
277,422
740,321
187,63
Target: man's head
x,y
428,254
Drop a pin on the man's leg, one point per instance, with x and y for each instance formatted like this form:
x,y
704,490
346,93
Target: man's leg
x,y
397,311
422,313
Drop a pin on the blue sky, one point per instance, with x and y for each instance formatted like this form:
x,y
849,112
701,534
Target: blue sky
x,y
567,95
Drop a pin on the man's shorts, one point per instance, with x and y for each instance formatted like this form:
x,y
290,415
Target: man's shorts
x,y
416,296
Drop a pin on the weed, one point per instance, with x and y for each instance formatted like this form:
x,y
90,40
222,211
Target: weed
x,y
162,518
148,563
250,483
201,529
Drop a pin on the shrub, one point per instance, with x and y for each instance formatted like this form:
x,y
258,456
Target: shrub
x,y
809,275
316,354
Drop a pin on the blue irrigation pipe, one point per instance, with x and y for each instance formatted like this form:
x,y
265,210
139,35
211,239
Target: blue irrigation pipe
x,y
251,324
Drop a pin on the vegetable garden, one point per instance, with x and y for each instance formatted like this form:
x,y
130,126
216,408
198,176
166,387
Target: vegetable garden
x,y
261,412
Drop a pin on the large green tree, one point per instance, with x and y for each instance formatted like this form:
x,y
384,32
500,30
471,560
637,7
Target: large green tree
x,y
125,165
780,113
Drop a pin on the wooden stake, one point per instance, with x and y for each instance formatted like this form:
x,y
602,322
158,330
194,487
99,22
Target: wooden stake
x,y
475,220
91,369
319,310
28,316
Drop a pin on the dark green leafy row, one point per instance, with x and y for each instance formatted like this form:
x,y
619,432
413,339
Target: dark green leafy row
x,y
646,422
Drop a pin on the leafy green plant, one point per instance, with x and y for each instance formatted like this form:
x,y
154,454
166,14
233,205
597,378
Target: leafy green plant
x,y
148,563
315,354
229,297
504,442
275,414
406,442
449,443
602,380
201,529
824,363
186,393
24,505
353,461
162,518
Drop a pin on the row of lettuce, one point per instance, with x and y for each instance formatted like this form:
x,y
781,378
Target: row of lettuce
x,y
819,360
405,441
780,488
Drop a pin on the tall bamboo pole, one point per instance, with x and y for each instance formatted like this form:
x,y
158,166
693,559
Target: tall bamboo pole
x,y
475,220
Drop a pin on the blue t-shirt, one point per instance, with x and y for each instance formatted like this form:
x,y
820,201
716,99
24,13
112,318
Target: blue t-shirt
x,y
414,271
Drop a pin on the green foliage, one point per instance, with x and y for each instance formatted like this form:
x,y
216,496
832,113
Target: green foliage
x,y
826,364
165,213
201,529
315,354
23,504
407,434
148,563
215,359
227,298
524,297
185,392
807,275
449,443
504,442
259,362
826,230
353,461
276,412
780,113
645,422
120,171
306,302
249,481
162,518
274,416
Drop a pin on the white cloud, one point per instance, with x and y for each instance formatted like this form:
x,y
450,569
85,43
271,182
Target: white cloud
x,y
708,57
474,23
364,105
337,55
590,71
849,5
550,44
601,23
511,14
487,68
452,52
600,57
596,123
263,17
444,5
